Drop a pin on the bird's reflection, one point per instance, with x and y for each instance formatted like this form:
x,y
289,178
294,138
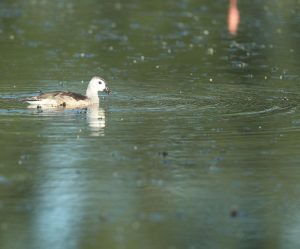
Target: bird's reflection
x,y
95,116
96,120
59,202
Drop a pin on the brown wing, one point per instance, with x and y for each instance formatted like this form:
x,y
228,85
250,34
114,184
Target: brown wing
x,y
75,96
53,95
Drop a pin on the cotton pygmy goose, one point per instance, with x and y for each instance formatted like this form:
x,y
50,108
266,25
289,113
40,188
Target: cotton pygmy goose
x,y
70,99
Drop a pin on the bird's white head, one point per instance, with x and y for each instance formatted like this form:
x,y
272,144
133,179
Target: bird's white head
x,y
96,85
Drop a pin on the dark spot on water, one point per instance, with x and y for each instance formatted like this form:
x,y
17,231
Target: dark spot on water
x,y
163,154
82,111
104,217
234,212
39,109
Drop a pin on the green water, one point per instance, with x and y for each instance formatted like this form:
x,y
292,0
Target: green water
x,y
197,147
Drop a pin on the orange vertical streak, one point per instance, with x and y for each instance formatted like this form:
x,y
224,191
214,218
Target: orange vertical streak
x,y
233,17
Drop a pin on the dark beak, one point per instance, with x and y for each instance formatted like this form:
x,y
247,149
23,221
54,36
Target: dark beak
x,y
106,90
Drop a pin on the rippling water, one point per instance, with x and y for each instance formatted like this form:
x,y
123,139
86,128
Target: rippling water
x,y
197,147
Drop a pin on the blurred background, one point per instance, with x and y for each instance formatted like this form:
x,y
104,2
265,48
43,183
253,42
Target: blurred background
x,y
197,147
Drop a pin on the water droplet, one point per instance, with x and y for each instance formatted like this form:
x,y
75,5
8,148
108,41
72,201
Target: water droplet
x,y
206,32
210,51
135,225
118,6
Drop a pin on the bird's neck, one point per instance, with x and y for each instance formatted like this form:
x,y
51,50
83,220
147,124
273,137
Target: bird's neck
x,y
92,95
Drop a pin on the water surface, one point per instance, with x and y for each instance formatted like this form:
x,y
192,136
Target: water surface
x,y
197,147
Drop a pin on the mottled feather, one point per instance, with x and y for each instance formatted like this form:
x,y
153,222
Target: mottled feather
x,y
55,95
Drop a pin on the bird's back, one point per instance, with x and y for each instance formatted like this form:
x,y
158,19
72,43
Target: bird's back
x,y
61,95
58,99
